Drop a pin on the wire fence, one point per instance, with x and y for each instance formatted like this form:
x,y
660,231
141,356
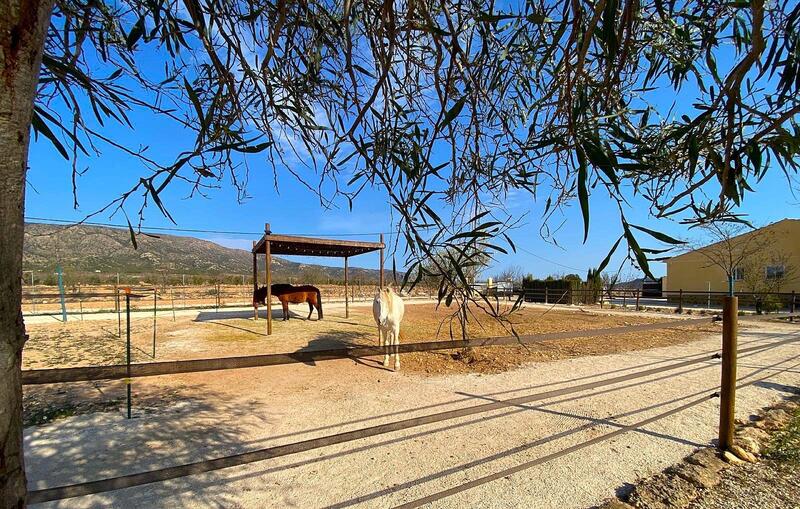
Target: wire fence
x,y
676,300
76,301
130,371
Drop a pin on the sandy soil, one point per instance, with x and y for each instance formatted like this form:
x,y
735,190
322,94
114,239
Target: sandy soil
x,y
206,334
247,409
210,333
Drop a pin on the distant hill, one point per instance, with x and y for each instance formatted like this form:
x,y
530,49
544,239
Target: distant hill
x,y
88,249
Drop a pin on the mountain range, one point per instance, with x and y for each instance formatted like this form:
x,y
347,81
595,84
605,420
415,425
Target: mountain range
x,y
82,249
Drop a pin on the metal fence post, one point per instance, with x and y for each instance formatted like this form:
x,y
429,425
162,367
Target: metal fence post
x,y
727,401
545,295
791,303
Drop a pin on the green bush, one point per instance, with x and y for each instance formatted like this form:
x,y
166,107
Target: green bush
x,y
770,304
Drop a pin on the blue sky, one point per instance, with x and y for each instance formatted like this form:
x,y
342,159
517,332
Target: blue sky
x,y
292,208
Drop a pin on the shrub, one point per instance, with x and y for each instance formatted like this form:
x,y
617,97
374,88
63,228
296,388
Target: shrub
x,y
770,304
785,445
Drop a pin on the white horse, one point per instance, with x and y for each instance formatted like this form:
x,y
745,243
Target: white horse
x,y
388,310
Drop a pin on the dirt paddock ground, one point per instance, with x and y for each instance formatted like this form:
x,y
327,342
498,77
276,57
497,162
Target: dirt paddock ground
x,y
192,417
209,333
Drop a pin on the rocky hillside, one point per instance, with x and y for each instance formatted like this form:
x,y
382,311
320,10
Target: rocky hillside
x,y
88,249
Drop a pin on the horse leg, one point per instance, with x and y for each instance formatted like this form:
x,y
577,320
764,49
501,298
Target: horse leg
x,y
384,345
285,305
310,309
396,341
255,310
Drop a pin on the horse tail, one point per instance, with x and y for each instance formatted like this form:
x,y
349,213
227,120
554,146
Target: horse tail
x,y
319,302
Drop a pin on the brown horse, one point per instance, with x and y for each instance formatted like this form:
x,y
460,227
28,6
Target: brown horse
x,y
291,294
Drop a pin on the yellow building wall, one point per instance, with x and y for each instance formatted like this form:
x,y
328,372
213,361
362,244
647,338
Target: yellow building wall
x,y
693,272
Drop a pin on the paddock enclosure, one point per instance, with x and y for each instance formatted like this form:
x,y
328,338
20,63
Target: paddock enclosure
x,y
454,428
210,333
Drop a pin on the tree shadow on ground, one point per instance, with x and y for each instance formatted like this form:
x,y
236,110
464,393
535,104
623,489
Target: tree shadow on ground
x,y
166,436
170,427
789,389
340,338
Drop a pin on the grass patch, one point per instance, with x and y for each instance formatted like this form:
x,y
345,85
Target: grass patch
x,y
785,444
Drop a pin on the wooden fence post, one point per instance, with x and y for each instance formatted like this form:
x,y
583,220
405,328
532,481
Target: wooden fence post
x,y
638,295
680,300
128,347
545,294
119,313
727,401
791,303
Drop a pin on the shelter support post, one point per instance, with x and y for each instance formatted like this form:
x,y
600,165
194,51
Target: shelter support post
x,y
268,263
255,281
727,395
128,348
155,318
346,296
381,274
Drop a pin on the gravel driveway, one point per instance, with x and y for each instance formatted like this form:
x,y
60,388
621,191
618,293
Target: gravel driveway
x,y
248,409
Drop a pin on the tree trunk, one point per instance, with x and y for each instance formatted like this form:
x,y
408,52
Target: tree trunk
x,y
22,29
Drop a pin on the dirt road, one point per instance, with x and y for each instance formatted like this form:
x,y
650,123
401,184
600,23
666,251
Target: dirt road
x,y
244,410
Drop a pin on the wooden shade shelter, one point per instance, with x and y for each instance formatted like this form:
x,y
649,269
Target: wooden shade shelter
x,y
271,244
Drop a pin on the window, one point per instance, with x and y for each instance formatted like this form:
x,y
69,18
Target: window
x,y
775,271
738,274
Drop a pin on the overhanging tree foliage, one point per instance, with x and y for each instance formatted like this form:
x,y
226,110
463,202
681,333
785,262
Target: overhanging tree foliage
x,y
447,106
